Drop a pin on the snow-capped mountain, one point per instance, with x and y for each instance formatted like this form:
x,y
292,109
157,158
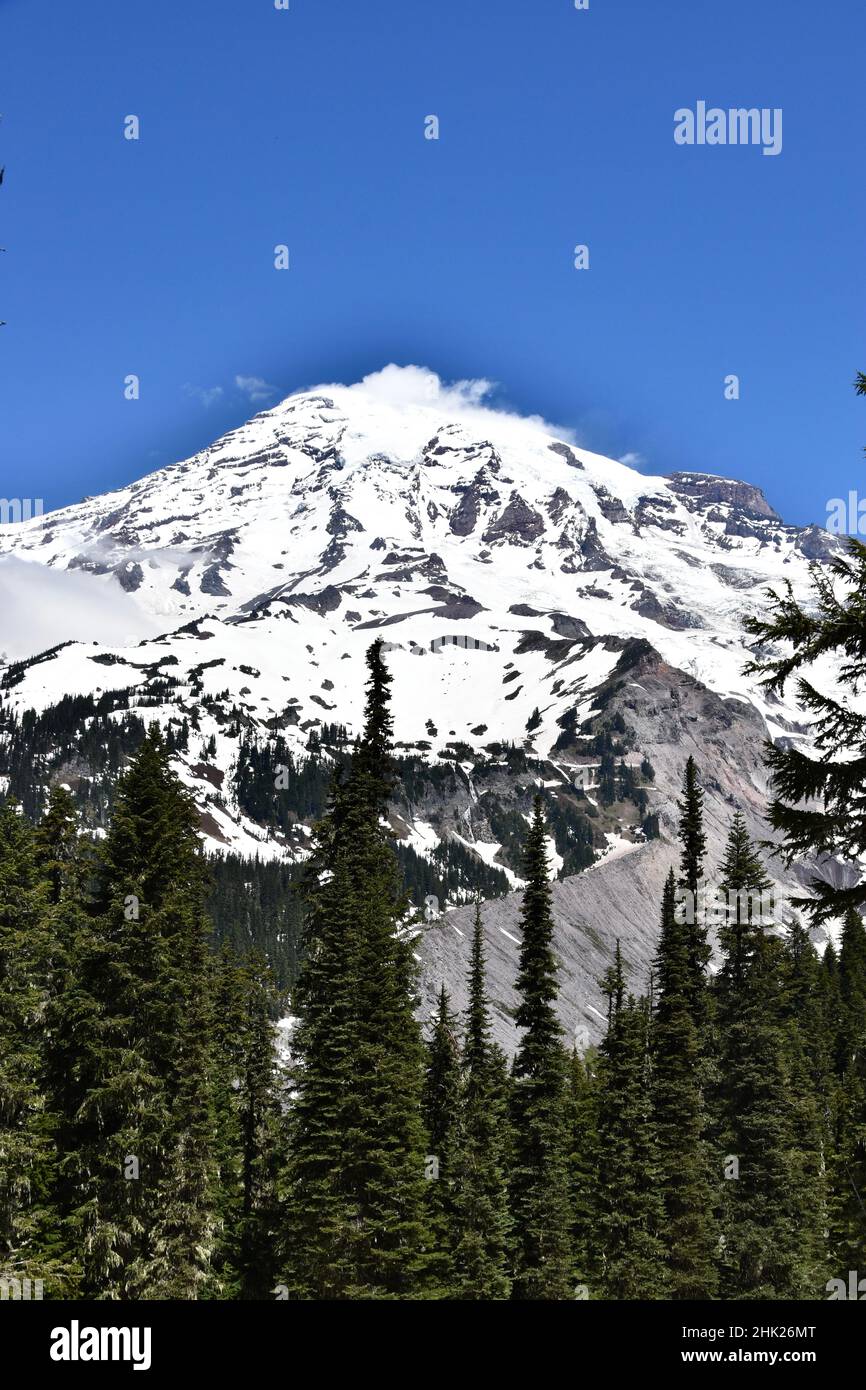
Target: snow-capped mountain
x,y
530,592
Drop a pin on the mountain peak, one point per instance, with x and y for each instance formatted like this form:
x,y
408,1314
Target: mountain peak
x,y
705,488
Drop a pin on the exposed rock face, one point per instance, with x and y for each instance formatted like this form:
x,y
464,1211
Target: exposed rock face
x,y
656,511
612,509
474,497
697,490
564,625
518,523
559,503
211,582
129,576
668,614
817,544
737,579
327,600
567,453
593,554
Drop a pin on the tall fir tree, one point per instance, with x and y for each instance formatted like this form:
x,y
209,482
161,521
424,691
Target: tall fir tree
x,y
847,1160
852,991
772,1198
809,1050
483,1222
542,1257
442,1112
140,1126
247,1104
690,1233
27,1167
66,861
354,1184
693,848
629,1205
582,1124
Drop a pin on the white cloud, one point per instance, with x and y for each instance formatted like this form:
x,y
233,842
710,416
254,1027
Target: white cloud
x,y
255,388
466,400
43,606
207,395
633,459
410,385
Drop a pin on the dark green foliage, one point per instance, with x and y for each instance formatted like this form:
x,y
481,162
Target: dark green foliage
x,y
848,1138
248,1123
773,1204
690,1236
572,834
607,788
77,736
693,841
629,1207
693,846
582,1126
278,789
442,1112
136,1023
354,1223
851,1043
569,824
482,1220
256,905
542,1260
453,873
26,1148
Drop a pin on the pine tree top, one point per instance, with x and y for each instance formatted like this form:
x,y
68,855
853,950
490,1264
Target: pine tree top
x,y
693,841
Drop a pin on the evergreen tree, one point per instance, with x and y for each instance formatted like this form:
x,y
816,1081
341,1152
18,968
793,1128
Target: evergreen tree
x,y
66,863
442,1111
809,1049
26,1125
772,1192
483,1223
693,846
629,1205
135,1017
248,1125
847,1161
542,1260
582,1126
354,1184
690,1235
743,882
851,1043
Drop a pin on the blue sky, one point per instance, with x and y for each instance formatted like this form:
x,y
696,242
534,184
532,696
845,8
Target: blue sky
x,y
306,127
